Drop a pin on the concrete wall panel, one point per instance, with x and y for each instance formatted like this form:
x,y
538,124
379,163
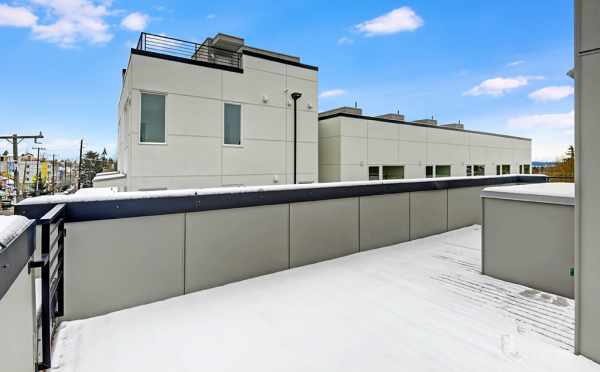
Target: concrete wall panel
x,y
323,230
464,207
16,322
116,264
529,243
428,213
225,246
384,220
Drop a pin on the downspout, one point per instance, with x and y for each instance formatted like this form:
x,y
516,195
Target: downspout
x,y
295,97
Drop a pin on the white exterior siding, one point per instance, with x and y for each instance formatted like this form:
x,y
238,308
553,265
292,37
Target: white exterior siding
x,y
349,145
193,154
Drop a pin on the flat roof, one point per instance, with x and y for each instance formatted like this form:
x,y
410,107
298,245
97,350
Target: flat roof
x,y
419,306
391,121
551,193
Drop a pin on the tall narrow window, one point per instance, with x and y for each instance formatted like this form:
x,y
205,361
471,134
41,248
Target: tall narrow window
x,y
442,171
373,173
429,171
526,169
469,170
498,170
152,123
232,124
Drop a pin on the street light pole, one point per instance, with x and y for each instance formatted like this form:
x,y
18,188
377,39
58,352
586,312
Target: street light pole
x,y
15,139
37,168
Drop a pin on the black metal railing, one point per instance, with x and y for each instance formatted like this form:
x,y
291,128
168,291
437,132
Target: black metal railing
x,y
53,293
188,50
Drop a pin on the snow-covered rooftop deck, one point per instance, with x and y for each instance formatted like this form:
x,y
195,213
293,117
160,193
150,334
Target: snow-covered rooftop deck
x,y
416,306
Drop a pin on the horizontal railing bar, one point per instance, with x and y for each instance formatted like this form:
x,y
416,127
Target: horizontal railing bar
x,y
189,50
57,224
52,214
55,240
54,286
54,256
155,36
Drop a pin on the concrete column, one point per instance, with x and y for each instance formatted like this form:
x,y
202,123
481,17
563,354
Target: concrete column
x,y
587,212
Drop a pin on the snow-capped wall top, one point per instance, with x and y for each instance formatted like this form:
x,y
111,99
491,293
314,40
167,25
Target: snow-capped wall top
x,y
11,227
56,199
553,193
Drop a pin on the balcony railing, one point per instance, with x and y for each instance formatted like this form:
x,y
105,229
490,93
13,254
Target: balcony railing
x,y
188,50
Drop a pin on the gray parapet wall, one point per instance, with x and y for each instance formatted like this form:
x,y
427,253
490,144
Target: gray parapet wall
x,y
528,235
135,248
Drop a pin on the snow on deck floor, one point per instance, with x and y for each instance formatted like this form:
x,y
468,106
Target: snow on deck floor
x,y
416,306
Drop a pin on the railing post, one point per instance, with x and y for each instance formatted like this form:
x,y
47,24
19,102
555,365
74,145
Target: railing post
x,y
46,352
60,291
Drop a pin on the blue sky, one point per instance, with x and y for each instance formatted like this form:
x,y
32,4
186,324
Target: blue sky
x,y
497,66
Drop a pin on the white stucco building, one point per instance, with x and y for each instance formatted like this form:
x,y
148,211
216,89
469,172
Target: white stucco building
x,y
354,147
212,114
221,113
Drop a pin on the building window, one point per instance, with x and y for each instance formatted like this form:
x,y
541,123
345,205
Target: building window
x,y
232,124
505,168
429,171
395,172
479,170
524,169
469,170
442,171
374,173
152,123
498,170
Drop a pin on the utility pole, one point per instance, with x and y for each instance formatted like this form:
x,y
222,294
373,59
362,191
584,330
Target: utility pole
x,y
53,175
15,140
79,170
37,168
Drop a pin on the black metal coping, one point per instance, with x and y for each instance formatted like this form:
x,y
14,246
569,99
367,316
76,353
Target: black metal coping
x,y
15,256
280,60
391,121
110,209
185,60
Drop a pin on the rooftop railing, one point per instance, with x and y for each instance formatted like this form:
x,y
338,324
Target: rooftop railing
x,y
188,50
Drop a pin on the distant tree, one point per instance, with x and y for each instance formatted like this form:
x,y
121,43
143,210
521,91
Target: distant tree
x,y
90,165
563,169
5,153
103,158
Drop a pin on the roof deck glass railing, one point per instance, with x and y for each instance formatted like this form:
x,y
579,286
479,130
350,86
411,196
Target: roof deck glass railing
x,y
188,50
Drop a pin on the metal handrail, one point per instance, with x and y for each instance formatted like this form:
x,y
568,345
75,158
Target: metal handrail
x,y
188,50
52,279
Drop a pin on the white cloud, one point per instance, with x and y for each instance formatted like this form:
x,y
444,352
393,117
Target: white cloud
x,y
550,150
498,86
14,16
68,22
332,93
74,21
344,41
211,16
562,121
515,63
135,21
398,20
554,93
